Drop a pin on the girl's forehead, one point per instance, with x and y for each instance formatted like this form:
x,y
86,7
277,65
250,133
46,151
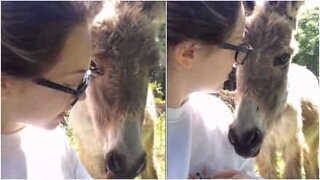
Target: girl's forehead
x,y
75,55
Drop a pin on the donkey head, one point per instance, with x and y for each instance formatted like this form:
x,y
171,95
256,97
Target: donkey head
x,y
124,55
262,80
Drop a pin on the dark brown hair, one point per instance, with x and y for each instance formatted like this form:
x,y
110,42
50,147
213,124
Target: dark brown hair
x,y
208,22
34,33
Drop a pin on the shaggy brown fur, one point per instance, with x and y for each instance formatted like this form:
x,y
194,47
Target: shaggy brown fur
x,y
125,49
270,89
109,121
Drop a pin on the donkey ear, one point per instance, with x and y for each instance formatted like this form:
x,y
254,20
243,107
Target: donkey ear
x,y
272,3
289,8
248,7
154,9
277,6
292,8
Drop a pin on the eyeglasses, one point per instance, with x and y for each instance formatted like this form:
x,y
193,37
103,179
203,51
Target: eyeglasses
x,y
242,51
75,92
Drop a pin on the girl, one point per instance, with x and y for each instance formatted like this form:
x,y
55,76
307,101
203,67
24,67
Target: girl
x,y
45,52
204,40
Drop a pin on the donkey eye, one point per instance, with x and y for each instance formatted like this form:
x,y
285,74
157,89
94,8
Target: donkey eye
x,y
258,108
282,59
95,69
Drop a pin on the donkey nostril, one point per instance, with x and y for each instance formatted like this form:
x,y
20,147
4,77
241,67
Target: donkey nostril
x,y
255,138
142,165
115,163
231,137
112,162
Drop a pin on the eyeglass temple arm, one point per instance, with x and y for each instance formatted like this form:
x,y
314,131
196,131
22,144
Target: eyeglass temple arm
x,y
44,82
236,48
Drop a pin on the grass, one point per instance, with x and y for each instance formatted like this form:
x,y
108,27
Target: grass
x,y
160,145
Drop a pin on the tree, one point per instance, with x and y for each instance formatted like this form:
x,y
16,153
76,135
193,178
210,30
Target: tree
x,y
307,35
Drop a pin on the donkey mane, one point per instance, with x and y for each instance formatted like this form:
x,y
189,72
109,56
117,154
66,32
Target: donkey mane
x,y
117,42
129,31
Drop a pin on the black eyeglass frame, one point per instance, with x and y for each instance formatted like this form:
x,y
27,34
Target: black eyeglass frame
x,y
75,92
243,47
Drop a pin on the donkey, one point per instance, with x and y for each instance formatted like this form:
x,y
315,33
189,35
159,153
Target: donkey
x,y
108,123
278,102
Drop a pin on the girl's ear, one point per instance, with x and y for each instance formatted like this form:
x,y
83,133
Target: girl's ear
x,y
183,54
5,86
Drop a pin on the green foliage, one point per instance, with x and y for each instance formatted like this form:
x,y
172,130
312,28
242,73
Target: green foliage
x,y
159,78
158,87
158,92
160,145
307,35
159,73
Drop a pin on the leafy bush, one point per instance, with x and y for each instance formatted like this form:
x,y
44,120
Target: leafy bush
x,y
307,35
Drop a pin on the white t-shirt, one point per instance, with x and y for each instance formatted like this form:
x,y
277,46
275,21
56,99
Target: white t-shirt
x,y
35,153
198,138
178,142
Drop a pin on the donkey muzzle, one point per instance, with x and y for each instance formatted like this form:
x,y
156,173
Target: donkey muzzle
x,y
246,144
117,167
